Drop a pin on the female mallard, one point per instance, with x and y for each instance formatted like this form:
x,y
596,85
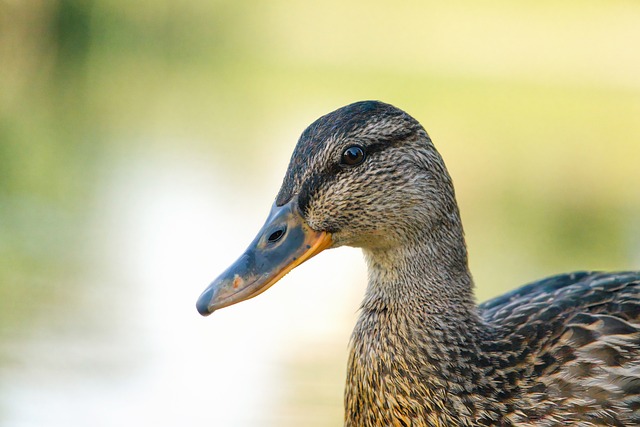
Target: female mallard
x,y
563,351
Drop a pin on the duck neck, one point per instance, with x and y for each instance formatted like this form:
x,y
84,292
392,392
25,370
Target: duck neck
x,y
418,331
428,275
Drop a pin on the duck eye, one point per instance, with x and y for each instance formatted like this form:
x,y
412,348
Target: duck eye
x,y
352,156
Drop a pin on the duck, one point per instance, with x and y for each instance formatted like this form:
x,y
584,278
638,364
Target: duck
x,y
564,350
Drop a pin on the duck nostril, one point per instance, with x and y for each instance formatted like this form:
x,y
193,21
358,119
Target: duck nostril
x,y
276,235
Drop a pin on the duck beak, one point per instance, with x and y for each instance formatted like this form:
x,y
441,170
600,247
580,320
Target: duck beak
x,y
284,242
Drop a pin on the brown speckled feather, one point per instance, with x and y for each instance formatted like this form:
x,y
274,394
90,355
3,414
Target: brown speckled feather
x,y
565,351
577,339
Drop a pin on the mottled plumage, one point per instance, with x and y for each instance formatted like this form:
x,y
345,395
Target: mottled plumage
x,y
562,351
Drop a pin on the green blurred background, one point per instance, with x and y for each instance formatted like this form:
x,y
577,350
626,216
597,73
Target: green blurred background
x,y
142,143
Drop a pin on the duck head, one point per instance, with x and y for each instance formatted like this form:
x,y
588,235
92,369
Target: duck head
x,y
366,175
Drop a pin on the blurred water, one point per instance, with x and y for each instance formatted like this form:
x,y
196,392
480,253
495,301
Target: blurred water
x,y
135,351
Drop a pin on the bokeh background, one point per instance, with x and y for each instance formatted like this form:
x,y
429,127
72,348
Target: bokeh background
x,y
142,144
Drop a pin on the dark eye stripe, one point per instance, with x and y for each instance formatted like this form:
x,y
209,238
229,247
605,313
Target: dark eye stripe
x,y
325,177
378,146
367,150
